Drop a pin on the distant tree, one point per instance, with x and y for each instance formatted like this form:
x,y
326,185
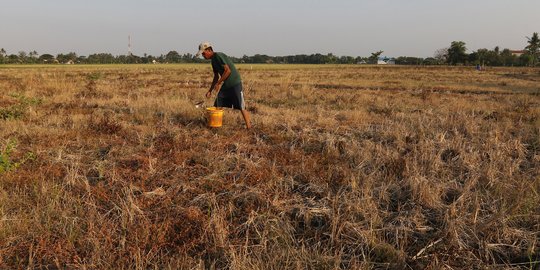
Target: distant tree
x,y
260,58
346,60
190,58
13,59
101,58
408,60
145,59
46,59
128,59
161,58
507,59
133,59
32,57
121,59
431,61
360,60
318,59
441,55
173,57
65,58
485,57
474,58
479,57
23,57
525,59
533,48
81,59
374,56
494,57
331,59
457,53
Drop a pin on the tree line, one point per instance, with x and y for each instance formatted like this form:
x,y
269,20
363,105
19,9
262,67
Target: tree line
x,y
456,54
530,56
171,57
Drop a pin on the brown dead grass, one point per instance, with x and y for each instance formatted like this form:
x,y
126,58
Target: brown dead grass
x,y
347,167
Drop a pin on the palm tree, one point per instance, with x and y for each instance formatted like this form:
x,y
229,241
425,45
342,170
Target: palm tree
x,y
533,47
33,56
2,55
374,56
457,53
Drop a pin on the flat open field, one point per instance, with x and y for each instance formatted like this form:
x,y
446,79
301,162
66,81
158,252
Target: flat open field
x,y
347,167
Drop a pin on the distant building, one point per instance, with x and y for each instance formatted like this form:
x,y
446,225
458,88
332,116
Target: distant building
x,y
383,60
518,53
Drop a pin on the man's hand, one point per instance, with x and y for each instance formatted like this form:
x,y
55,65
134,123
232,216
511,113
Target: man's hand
x,y
217,87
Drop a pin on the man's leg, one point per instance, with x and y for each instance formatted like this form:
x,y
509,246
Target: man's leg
x,y
245,114
239,103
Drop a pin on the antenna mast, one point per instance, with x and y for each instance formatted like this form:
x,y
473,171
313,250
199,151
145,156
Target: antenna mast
x,y
129,45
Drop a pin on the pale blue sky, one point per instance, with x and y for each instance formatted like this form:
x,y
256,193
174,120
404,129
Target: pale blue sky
x,y
274,27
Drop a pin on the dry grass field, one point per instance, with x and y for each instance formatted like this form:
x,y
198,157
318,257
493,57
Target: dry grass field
x,y
347,167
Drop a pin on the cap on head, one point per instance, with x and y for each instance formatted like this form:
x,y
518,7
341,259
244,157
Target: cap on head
x,y
203,46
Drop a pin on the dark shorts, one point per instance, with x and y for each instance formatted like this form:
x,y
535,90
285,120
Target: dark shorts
x,y
232,97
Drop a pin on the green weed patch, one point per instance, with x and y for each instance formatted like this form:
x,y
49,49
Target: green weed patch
x,y
7,162
17,110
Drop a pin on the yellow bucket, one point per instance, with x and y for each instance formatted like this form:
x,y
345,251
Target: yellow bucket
x,y
215,116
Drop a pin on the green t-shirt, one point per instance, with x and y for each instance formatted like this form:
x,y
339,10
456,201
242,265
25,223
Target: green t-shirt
x,y
220,59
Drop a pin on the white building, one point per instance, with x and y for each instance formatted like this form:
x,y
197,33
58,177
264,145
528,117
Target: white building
x,y
383,60
518,53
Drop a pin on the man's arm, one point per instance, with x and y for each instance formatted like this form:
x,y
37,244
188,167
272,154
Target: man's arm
x,y
214,83
219,80
226,73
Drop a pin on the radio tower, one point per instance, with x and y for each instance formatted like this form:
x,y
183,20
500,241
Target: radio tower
x,y
129,45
